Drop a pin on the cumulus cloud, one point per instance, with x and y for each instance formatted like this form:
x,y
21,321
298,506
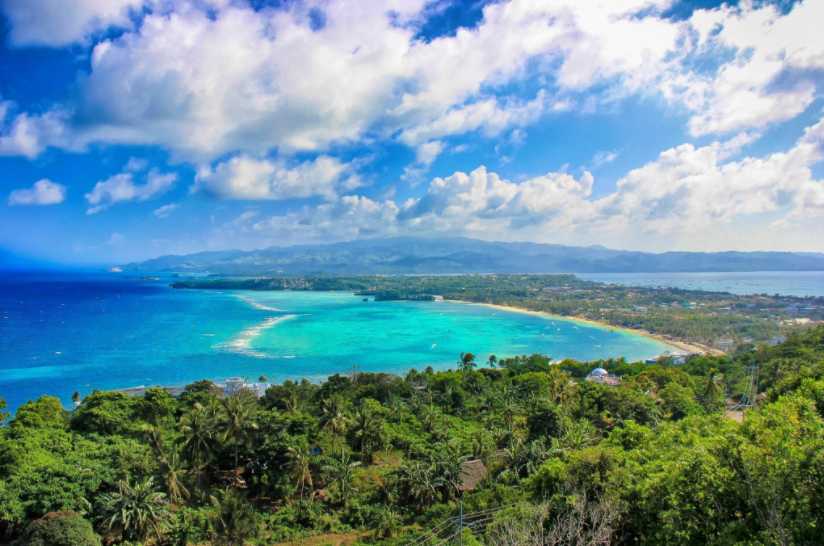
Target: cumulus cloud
x,y
122,188
43,192
29,134
249,178
695,195
206,79
774,66
53,23
207,82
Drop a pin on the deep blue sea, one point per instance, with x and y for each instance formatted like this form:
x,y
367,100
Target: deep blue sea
x,y
60,334
786,283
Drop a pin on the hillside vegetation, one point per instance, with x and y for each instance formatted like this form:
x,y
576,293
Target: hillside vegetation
x,y
379,458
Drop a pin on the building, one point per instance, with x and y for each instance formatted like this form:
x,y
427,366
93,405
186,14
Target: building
x,y
234,385
600,375
472,473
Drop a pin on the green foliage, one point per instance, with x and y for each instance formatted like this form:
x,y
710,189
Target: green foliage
x,y
652,460
136,511
235,519
59,529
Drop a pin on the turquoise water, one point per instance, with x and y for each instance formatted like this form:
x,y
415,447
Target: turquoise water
x,y
786,283
58,335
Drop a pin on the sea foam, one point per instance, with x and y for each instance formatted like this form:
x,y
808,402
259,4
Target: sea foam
x,y
243,341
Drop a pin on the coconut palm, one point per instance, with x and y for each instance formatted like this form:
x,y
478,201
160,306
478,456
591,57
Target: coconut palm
x,y
238,421
386,524
466,361
137,511
172,471
170,467
198,428
417,484
300,462
340,472
367,432
333,415
235,520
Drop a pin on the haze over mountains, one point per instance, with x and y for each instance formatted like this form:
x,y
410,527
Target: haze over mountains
x,y
409,255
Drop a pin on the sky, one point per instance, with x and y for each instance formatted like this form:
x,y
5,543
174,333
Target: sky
x,y
136,128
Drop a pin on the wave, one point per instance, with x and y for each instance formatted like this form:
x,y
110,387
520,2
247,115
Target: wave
x,y
243,341
258,305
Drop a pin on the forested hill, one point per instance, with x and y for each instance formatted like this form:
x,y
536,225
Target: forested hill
x,y
459,255
535,453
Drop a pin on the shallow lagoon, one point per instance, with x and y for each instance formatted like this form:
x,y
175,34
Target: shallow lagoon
x,y
58,335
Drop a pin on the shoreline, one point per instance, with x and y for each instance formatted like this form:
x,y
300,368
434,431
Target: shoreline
x,y
685,346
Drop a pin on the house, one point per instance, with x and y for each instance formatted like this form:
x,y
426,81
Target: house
x,y
600,375
472,473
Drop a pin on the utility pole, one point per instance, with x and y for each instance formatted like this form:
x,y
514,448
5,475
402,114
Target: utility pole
x,y
460,523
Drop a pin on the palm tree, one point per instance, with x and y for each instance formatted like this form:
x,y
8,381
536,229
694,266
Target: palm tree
x,y
171,469
387,522
340,472
198,428
235,519
367,432
135,510
301,465
417,484
238,421
446,467
492,361
467,361
713,396
333,415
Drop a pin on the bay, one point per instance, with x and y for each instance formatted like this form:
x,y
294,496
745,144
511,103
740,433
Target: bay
x,y
80,333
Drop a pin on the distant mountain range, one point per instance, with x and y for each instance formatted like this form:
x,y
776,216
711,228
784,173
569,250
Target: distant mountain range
x,y
409,255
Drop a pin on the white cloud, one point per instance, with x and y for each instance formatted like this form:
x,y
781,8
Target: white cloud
x,y
603,157
205,83
691,197
55,23
43,192
165,211
122,188
29,134
245,177
136,164
773,71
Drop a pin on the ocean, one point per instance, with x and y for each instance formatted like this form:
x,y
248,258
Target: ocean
x,y
66,333
785,283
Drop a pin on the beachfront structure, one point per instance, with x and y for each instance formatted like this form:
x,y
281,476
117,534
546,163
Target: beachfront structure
x,y
600,375
234,385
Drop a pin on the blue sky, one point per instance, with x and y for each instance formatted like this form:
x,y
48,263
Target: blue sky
x,y
135,128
